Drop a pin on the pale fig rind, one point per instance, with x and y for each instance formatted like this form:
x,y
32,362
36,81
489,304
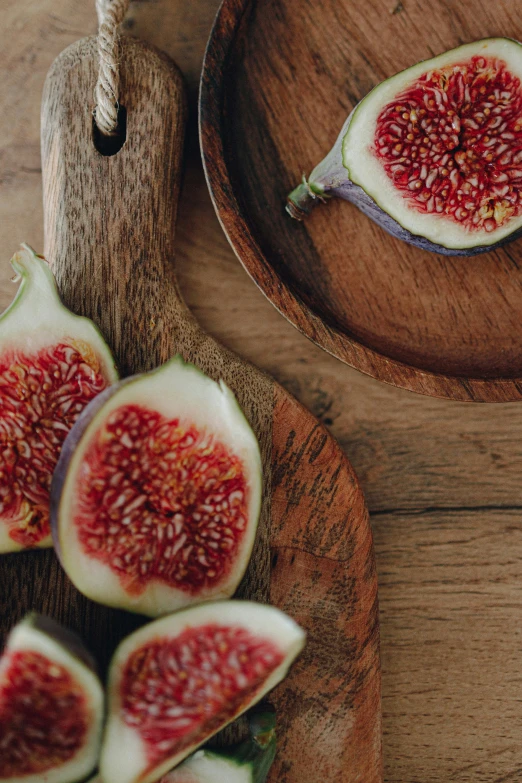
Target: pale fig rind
x,y
176,389
350,171
34,323
46,318
247,762
40,635
124,756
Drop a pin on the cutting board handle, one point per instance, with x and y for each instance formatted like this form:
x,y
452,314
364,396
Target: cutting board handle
x,y
109,221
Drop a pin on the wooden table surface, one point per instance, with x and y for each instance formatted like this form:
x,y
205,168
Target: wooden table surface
x,y
443,480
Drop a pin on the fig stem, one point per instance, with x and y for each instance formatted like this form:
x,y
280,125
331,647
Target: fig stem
x,y
302,200
263,725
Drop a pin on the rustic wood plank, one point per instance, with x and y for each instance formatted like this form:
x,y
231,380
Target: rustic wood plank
x,y
410,452
449,663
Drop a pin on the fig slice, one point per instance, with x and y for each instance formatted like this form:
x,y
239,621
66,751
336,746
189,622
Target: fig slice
x,y
52,363
178,680
247,762
157,494
51,706
434,154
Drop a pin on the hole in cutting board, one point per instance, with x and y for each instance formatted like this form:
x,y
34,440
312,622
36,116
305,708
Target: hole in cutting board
x,y
111,145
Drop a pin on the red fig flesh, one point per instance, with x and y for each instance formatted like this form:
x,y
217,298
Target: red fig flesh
x,y
157,494
179,680
51,706
52,363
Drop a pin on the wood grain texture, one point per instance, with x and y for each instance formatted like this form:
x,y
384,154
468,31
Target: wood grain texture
x,y
109,236
309,482
442,479
109,220
442,326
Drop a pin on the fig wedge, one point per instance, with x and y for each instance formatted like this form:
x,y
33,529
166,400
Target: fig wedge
x,y
52,363
177,681
156,498
51,706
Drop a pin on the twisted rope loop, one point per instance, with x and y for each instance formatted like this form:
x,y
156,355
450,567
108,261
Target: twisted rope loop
x,y
110,15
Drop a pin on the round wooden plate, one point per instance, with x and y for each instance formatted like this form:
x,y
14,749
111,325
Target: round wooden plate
x,y
279,78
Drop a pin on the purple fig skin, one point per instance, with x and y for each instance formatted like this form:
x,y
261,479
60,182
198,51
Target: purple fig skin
x,y
66,638
330,180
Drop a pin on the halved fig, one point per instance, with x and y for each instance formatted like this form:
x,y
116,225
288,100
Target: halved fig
x,y
52,363
157,494
177,681
248,762
434,154
51,706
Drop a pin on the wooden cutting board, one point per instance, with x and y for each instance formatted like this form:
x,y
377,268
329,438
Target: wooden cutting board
x,y
109,228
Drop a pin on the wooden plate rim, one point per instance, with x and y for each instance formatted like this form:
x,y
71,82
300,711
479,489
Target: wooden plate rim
x,y
238,231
